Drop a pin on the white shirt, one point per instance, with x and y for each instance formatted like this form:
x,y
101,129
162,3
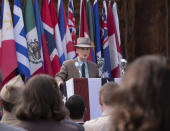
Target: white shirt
x,y
86,68
99,124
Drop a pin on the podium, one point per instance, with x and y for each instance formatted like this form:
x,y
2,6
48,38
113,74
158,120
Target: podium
x,y
88,89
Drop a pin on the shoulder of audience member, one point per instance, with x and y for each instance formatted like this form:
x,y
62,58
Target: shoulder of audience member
x,y
78,126
92,122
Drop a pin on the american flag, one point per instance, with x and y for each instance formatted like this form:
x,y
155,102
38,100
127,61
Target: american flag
x,y
71,21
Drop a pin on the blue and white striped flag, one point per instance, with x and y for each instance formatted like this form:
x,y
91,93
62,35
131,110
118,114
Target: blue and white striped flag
x,y
20,40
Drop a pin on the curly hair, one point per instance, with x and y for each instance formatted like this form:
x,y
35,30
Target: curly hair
x,y
41,100
142,101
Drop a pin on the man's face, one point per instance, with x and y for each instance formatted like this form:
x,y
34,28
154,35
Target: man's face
x,y
83,53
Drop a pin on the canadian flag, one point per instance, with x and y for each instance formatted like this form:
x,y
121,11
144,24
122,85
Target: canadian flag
x,y
113,45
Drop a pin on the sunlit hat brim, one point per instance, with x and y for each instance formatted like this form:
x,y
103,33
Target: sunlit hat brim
x,y
86,45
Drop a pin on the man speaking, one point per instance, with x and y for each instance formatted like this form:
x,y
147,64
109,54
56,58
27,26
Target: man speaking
x,y
79,67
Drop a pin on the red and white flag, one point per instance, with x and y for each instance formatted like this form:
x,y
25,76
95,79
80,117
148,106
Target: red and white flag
x,y
57,37
8,58
83,28
71,21
113,45
49,32
65,32
116,19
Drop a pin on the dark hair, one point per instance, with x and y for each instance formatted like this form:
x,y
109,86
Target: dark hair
x,y
143,97
76,106
106,92
7,106
41,99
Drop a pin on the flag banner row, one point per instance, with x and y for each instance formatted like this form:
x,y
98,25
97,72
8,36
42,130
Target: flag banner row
x,y
34,41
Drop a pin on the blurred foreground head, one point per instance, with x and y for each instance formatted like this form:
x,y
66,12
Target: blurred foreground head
x,y
0,78
142,101
41,100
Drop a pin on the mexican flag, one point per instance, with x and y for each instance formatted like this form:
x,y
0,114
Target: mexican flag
x,y
34,47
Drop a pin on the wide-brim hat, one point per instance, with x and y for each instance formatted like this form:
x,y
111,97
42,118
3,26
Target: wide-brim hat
x,y
12,90
83,42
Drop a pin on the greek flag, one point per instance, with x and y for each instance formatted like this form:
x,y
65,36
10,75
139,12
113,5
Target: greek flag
x,y
20,40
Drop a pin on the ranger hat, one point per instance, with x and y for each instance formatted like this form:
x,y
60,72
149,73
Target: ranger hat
x,y
83,42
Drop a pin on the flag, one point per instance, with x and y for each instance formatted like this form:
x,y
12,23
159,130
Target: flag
x,y
71,21
83,29
34,47
58,41
49,32
105,42
113,44
116,19
90,20
65,32
97,31
115,15
20,40
42,40
8,58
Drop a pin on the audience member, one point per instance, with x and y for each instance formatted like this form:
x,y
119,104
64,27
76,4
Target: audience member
x,y
10,94
4,127
142,101
0,77
0,100
79,67
76,106
41,107
106,102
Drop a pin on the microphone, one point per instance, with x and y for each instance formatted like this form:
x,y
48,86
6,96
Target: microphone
x,y
79,69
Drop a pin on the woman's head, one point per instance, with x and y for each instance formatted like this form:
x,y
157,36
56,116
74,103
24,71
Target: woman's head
x,y
148,76
41,99
142,98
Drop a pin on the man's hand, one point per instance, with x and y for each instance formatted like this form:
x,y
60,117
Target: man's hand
x,y
60,83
